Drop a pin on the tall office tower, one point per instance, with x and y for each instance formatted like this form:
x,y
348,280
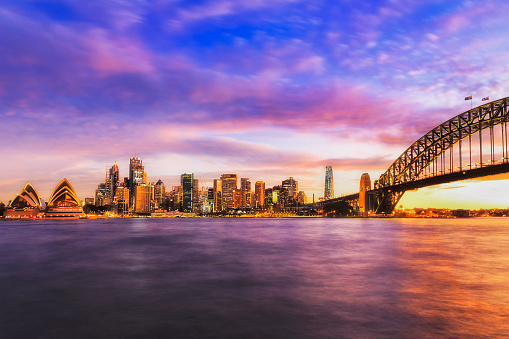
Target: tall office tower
x,y
245,193
186,184
210,195
112,182
142,199
365,185
259,200
228,187
289,189
268,198
122,200
237,198
175,191
276,190
99,194
329,184
218,206
196,194
159,194
136,171
292,186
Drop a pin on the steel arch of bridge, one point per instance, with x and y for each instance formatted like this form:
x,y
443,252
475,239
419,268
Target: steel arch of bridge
x,y
422,153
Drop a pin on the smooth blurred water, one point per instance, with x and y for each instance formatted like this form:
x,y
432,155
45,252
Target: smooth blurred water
x,y
255,278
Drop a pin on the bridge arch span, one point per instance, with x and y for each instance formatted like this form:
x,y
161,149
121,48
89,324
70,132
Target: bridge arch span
x,y
410,166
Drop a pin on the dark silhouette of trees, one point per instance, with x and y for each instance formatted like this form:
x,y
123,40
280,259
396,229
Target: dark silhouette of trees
x,y
337,209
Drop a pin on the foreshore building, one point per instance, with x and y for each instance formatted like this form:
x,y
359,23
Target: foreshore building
x,y
64,203
27,204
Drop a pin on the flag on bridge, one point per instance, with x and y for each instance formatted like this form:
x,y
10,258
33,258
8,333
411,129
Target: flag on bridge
x,y
485,98
468,98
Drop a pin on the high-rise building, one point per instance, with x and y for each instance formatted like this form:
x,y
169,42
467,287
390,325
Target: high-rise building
x,y
237,198
218,206
99,194
292,186
259,200
268,197
142,199
301,198
289,189
175,195
210,195
276,195
245,193
112,182
159,194
186,184
136,171
228,187
122,200
329,184
196,195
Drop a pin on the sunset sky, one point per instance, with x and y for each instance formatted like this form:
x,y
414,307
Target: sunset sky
x,y
264,89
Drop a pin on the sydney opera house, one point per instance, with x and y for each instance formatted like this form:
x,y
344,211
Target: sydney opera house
x,y
63,204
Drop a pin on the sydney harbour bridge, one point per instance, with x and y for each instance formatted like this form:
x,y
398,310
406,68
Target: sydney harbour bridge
x,y
471,145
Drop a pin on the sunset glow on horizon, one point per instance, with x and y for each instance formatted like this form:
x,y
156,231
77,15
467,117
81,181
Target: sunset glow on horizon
x,y
264,89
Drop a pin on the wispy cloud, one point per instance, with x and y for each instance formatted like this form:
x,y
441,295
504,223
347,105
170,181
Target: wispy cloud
x,y
218,80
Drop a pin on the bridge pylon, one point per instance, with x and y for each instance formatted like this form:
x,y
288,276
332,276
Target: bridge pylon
x,y
386,200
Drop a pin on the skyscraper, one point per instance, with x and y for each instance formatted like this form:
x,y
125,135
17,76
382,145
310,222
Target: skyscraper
x,y
228,187
329,184
245,191
218,205
159,194
289,189
99,194
196,194
186,184
112,182
142,199
136,171
122,200
259,194
268,197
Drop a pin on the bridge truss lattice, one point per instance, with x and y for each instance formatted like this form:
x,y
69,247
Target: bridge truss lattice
x,y
434,153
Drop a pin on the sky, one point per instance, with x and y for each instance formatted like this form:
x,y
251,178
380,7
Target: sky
x,y
264,89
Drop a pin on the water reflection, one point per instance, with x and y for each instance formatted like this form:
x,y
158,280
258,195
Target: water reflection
x,y
271,278
442,292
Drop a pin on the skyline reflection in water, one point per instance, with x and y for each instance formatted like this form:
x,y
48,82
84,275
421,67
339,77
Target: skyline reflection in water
x,y
270,278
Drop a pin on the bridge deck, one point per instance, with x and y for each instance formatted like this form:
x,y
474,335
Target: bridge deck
x,y
451,177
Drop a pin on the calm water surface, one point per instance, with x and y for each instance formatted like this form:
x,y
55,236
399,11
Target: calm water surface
x,y
255,278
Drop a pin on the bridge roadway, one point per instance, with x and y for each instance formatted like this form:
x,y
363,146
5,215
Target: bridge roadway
x,y
486,170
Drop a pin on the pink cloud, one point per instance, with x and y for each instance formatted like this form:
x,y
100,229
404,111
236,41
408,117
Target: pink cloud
x,y
116,54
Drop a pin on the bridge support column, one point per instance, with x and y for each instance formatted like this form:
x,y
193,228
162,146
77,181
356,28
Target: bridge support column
x,y
386,200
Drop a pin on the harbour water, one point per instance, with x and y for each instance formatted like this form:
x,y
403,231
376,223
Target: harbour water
x,y
255,278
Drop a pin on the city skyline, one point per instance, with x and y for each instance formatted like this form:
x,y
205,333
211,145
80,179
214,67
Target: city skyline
x,y
266,90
